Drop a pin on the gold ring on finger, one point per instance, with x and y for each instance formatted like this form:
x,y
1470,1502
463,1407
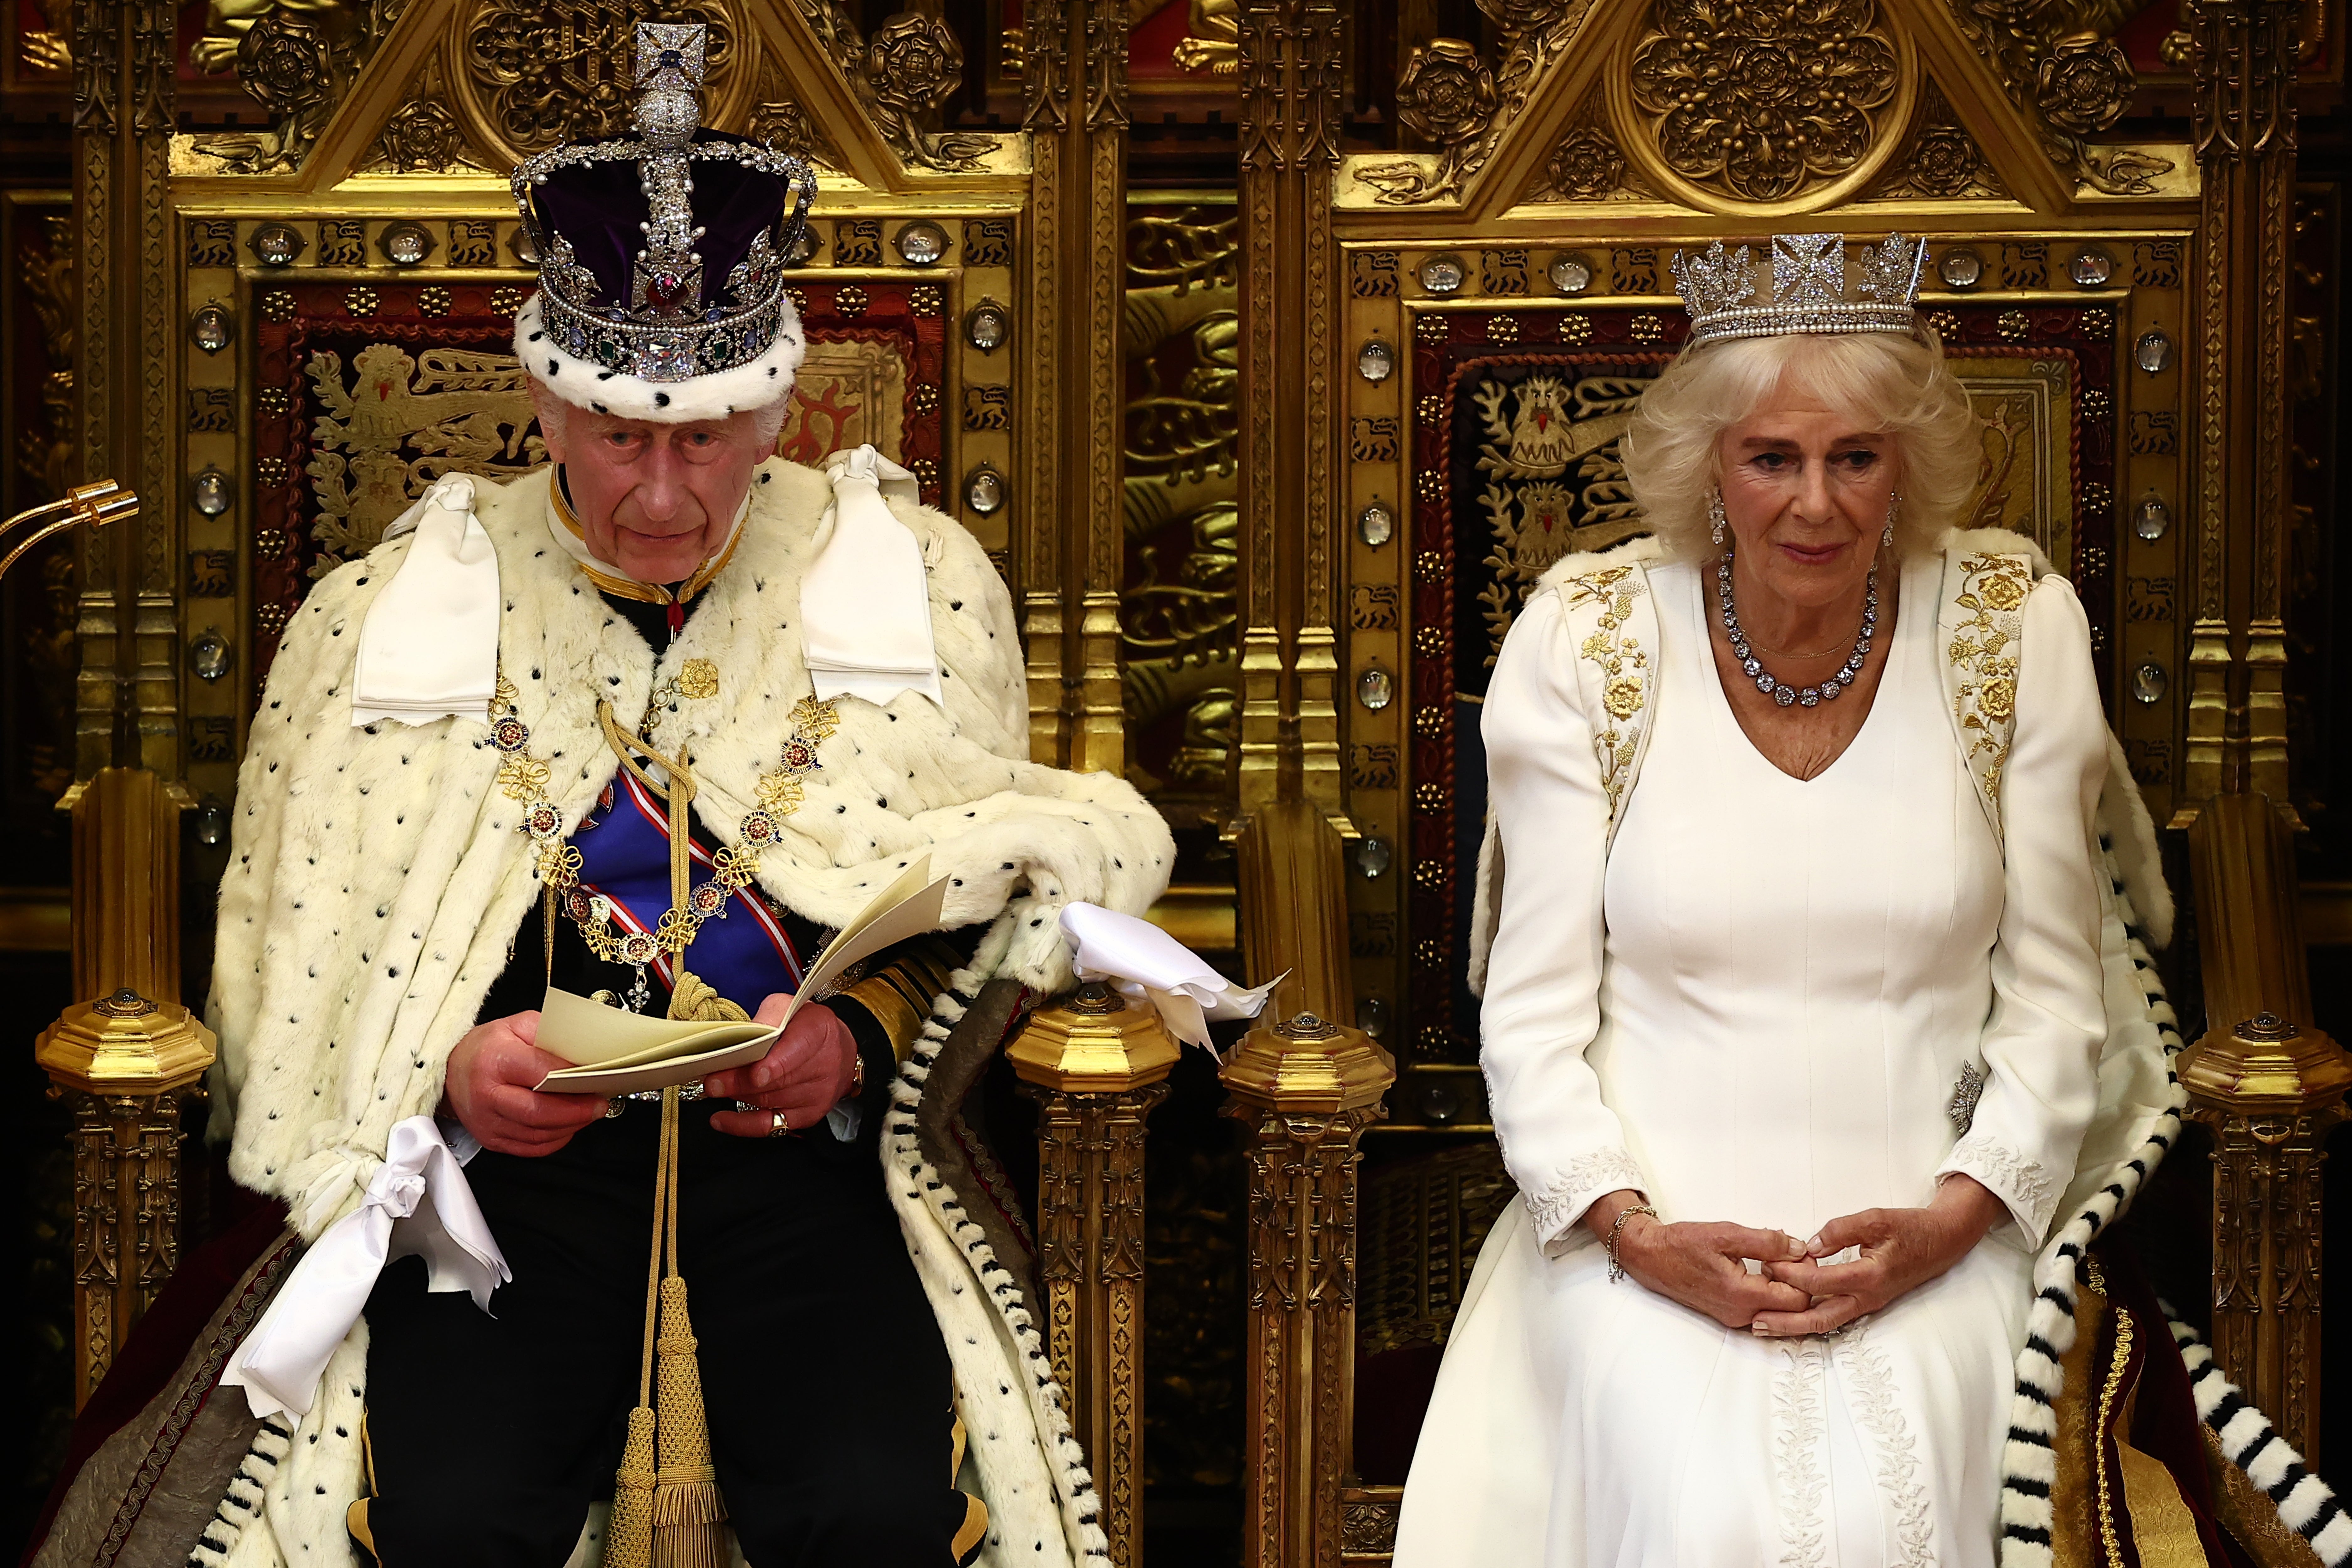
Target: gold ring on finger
x,y
778,1125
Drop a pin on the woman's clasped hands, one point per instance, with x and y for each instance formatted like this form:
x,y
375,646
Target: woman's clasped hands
x,y
1795,1291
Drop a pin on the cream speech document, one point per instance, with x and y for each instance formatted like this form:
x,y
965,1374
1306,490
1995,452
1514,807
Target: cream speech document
x,y
616,1052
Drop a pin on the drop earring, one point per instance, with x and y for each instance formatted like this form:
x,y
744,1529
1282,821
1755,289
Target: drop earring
x,y
1714,518
1887,537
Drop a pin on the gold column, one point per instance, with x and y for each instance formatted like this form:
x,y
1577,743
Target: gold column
x,y
1073,72
1097,1067
1292,68
1308,1088
2245,72
2270,1088
1293,889
125,1062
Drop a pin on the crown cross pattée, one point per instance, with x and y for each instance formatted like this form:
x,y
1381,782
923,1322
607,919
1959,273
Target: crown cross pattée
x,y
1807,269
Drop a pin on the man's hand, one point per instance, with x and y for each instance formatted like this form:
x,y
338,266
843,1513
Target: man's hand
x,y
804,1074
488,1085
1901,1250
1700,1265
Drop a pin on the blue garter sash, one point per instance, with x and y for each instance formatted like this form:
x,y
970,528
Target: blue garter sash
x,y
741,952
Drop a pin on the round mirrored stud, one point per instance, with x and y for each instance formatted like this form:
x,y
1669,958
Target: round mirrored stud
x,y
212,491
2153,352
209,328
1376,525
1376,362
1444,274
986,326
405,244
524,250
211,822
2091,268
984,490
1375,689
2148,683
1373,856
922,244
1372,1016
208,655
1570,276
1960,268
1439,1103
2150,518
276,245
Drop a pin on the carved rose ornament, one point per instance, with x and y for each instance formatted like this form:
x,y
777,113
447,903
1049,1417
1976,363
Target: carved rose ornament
x,y
913,63
1446,93
1760,101
1586,166
1943,160
286,62
2084,83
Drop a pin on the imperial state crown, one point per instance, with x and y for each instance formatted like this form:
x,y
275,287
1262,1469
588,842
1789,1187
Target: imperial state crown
x,y
662,255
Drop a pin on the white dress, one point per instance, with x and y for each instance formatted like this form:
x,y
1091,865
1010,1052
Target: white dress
x,y
1755,1006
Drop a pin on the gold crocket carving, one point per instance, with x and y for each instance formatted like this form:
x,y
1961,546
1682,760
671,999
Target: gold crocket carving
x,y
1211,40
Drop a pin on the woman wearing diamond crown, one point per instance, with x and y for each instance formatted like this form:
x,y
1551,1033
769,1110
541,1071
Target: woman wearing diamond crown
x,y
1793,1009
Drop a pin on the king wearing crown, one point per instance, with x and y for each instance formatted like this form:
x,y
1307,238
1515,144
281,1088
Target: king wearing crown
x,y
643,729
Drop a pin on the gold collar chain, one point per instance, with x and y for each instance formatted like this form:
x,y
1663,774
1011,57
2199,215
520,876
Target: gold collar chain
x,y
523,778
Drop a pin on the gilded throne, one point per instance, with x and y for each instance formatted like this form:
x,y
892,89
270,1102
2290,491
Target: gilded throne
x,y
1274,349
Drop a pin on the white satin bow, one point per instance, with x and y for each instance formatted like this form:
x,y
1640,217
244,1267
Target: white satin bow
x,y
865,605
418,1204
1145,963
429,647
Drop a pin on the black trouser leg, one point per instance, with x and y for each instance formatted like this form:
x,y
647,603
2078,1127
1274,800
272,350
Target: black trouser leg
x,y
827,1385
828,1389
492,1432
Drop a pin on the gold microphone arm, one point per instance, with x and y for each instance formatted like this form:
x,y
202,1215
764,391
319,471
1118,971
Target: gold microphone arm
x,y
98,503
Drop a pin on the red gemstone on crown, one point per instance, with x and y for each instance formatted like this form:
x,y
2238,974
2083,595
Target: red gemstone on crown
x,y
665,290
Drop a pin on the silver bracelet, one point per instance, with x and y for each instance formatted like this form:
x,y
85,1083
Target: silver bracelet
x,y
1616,1228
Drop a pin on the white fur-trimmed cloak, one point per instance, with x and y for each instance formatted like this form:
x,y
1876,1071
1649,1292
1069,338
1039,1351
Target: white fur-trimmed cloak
x,y
378,875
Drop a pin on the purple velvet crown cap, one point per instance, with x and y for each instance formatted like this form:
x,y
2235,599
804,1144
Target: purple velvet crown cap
x,y
600,207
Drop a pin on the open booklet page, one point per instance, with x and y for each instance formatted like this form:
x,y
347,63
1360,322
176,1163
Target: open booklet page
x,y
618,1052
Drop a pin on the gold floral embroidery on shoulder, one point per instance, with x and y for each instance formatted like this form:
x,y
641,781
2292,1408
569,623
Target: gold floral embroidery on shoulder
x,y
1623,666
1983,657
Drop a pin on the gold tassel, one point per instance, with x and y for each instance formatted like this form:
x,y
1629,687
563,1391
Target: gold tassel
x,y
687,1510
669,1514
692,998
628,1538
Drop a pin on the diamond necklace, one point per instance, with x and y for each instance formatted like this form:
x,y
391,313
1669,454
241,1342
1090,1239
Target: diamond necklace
x,y
1778,690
